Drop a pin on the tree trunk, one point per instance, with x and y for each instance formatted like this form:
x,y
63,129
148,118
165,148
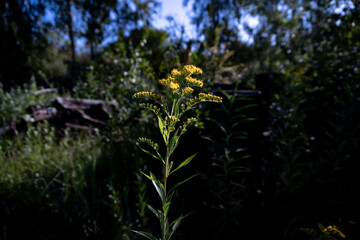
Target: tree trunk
x,y
72,40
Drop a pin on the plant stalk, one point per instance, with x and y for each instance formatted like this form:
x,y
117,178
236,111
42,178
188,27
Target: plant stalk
x,y
165,185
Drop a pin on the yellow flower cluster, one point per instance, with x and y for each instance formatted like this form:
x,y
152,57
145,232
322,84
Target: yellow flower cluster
x,y
191,69
182,79
173,86
172,119
165,81
147,95
150,106
170,122
191,120
333,230
203,97
182,106
175,73
187,90
209,97
193,82
150,142
186,124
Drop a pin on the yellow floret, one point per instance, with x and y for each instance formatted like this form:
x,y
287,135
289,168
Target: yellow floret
x,y
183,106
175,73
173,118
191,69
164,81
187,90
173,86
209,97
333,230
151,95
193,82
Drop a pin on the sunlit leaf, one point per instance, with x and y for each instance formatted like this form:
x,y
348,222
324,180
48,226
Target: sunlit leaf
x,y
184,163
174,142
166,208
162,128
153,155
179,219
175,224
180,183
157,184
157,214
145,234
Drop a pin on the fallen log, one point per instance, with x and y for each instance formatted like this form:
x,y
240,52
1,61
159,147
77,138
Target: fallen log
x,y
65,112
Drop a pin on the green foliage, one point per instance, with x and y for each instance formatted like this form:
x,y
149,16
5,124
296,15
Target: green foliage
x,y
13,103
43,174
229,134
38,168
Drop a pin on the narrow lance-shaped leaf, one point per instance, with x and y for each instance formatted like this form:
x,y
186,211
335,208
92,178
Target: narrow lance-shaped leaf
x,y
184,163
175,224
180,183
179,219
162,128
166,208
169,197
176,109
153,155
157,184
145,234
157,214
173,142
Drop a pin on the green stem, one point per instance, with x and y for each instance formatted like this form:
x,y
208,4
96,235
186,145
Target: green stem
x,y
165,193
166,174
173,106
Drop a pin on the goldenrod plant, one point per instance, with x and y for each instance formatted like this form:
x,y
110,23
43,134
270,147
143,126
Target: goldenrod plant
x,y
172,123
330,232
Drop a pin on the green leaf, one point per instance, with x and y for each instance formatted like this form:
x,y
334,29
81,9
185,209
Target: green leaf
x,y
157,184
162,128
169,197
176,109
153,155
145,234
179,219
184,163
173,229
175,224
166,208
161,222
173,142
221,126
157,214
180,183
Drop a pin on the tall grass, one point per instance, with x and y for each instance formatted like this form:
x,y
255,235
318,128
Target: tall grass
x,y
53,186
